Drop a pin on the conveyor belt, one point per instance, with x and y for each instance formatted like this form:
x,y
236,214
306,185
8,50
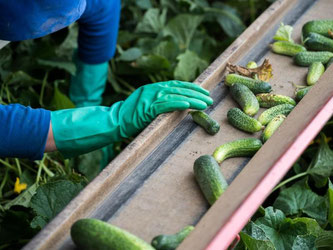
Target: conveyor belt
x,y
159,194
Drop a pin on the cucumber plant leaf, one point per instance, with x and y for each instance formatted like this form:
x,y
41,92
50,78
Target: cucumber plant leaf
x,y
330,200
253,237
321,166
189,64
60,100
304,242
60,64
153,21
182,28
51,198
299,199
284,33
324,241
130,55
24,198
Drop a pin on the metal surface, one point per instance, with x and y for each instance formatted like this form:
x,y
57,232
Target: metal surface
x,y
3,43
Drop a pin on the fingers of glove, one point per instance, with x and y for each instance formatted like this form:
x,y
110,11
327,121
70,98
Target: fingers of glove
x,y
193,102
189,85
189,93
164,107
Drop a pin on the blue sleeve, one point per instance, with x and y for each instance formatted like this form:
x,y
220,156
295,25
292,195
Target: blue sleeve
x,y
23,131
98,31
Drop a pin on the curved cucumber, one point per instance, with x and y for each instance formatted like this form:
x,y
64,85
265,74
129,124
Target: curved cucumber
x,y
238,148
329,63
301,93
317,26
209,177
270,100
95,234
319,42
171,242
242,121
316,69
269,114
256,86
272,126
287,48
206,122
245,98
306,58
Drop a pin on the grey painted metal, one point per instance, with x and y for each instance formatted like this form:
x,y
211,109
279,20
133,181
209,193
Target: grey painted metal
x,y
3,43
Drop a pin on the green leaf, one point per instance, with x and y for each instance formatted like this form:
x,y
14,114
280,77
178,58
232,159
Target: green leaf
x,y
304,242
325,241
282,231
61,101
228,18
51,198
24,198
330,199
153,21
65,50
167,49
299,199
284,33
153,63
64,65
182,28
321,166
254,237
130,54
143,4
189,65
89,164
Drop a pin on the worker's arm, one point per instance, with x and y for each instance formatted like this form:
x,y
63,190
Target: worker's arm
x,y
50,143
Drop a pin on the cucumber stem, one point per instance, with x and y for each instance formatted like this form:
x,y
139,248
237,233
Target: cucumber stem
x,y
289,180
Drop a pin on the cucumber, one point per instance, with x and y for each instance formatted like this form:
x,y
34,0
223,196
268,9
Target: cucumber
x,y
206,122
242,121
171,242
317,26
316,41
271,127
238,148
287,48
245,98
316,69
306,58
269,114
256,86
251,65
270,100
96,234
301,93
209,177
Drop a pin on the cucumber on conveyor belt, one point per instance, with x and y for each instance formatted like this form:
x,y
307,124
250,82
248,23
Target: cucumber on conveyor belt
x,y
206,122
269,114
318,42
272,126
245,98
242,121
287,48
267,100
316,69
300,93
306,58
256,86
321,27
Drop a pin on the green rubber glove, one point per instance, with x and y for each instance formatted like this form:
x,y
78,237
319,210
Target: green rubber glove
x,y
88,84
82,130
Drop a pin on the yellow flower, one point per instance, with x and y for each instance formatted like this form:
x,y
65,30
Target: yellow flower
x,y
19,187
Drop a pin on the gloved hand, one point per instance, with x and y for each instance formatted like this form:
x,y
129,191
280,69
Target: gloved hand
x,y
88,84
82,130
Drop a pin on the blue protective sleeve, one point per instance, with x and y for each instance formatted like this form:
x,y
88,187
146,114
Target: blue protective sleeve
x,y
98,31
23,131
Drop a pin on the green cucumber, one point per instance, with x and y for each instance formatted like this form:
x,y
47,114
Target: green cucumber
x,y
270,100
171,242
251,65
271,127
209,177
316,69
242,121
269,114
317,26
256,86
306,58
245,98
206,122
301,93
329,63
318,42
96,234
287,48
238,148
